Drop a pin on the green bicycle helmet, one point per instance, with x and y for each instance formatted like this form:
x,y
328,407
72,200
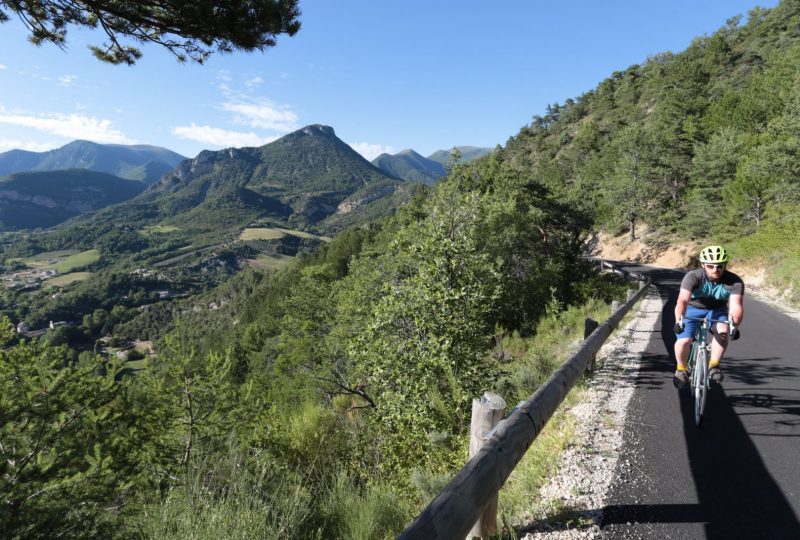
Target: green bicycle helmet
x,y
714,255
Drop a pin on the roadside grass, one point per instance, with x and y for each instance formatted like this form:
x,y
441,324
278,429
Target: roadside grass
x,y
66,279
557,337
375,511
520,498
233,498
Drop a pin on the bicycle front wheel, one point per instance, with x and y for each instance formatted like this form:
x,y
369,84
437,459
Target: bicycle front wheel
x,y
699,385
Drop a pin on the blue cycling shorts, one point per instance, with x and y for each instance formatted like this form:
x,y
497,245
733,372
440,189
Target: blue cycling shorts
x,y
689,327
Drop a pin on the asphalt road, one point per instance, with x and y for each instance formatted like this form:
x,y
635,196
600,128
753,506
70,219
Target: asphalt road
x,y
738,475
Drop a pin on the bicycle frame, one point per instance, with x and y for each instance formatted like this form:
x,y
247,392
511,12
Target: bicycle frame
x,y
699,356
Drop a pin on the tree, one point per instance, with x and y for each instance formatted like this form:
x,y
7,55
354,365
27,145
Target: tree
x,y
420,352
188,29
187,402
748,194
60,465
632,191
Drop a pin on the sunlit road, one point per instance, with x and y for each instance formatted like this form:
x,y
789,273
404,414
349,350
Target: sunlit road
x,y
737,476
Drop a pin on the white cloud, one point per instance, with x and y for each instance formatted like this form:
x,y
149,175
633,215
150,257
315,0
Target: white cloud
x,y
66,80
253,83
262,114
14,144
224,75
252,110
71,126
3,67
371,151
220,137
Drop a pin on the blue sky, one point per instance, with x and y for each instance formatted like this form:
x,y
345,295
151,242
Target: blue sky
x,y
386,75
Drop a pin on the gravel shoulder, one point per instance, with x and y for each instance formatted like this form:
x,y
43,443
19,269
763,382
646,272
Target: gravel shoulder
x,y
573,498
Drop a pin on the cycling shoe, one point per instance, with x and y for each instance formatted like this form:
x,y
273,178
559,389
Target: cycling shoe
x,y
680,379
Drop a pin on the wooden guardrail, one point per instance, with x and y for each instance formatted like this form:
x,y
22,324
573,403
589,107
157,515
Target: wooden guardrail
x,y
461,503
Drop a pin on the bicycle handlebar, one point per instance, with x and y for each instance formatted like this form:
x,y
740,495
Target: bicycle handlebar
x,y
734,331
710,320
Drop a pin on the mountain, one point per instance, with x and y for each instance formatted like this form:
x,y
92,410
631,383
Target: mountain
x,y
132,162
308,179
410,166
301,178
44,199
468,153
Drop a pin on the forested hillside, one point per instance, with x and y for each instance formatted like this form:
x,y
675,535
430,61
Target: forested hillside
x,y
340,385
44,199
331,399
701,144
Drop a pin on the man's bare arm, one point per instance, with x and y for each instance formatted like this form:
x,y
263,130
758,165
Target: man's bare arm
x,y
736,309
680,306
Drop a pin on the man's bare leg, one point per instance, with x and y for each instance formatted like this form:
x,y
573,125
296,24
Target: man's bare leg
x,y
719,344
682,348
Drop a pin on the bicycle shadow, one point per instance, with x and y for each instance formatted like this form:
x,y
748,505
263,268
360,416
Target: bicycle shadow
x,y
737,497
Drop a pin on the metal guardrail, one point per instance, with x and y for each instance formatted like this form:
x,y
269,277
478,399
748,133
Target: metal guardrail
x,y
454,511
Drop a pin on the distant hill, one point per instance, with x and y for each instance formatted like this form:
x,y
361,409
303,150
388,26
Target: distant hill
x,y
301,181
468,153
410,166
44,199
133,162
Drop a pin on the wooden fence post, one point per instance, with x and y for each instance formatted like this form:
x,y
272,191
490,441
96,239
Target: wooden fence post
x,y
589,326
486,414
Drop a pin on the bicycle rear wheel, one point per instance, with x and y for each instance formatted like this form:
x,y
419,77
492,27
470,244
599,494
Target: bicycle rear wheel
x,y
699,385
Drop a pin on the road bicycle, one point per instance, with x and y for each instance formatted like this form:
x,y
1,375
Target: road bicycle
x,y
697,367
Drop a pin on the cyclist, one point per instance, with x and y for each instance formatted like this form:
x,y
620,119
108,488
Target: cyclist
x,y
707,292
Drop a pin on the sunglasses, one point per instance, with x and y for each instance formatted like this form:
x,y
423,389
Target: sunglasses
x,y
715,266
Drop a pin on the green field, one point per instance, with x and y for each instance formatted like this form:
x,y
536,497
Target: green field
x,y
66,279
270,262
268,233
77,260
43,259
261,234
62,261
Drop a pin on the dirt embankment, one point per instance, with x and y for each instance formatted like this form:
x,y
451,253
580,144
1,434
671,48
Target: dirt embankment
x,y
648,248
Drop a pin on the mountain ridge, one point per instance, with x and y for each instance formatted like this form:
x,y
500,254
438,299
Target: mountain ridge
x,y
142,162
298,181
411,166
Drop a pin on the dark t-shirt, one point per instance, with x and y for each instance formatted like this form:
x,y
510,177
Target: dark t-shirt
x,y
709,295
